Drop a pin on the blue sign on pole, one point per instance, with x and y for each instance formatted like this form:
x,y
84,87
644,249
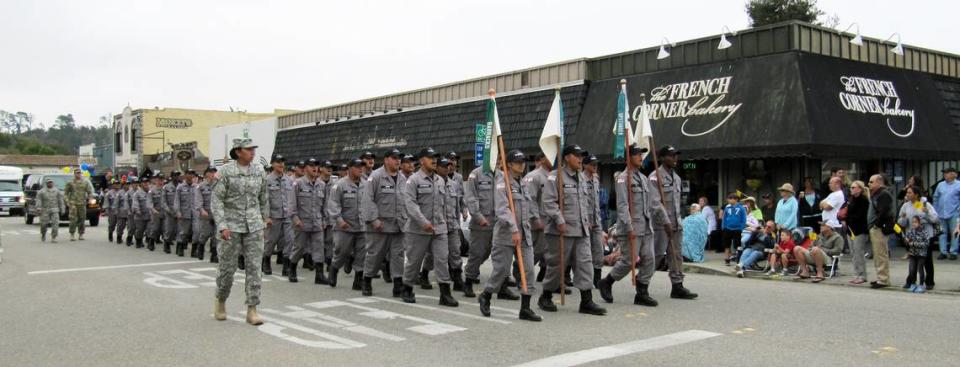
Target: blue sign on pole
x,y
481,141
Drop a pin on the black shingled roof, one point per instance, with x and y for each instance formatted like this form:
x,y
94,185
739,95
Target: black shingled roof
x,y
444,128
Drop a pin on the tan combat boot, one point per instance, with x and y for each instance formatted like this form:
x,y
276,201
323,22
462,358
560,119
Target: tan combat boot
x,y
252,317
220,310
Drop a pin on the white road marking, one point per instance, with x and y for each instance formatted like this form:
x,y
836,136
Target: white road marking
x,y
275,327
619,350
444,310
505,312
110,267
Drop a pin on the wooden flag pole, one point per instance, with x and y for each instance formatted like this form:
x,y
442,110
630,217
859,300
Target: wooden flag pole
x,y
507,177
560,194
630,236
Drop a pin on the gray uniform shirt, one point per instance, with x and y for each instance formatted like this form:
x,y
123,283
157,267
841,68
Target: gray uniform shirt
x,y
344,204
156,198
454,204
533,183
381,200
169,197
671,193
185,202
124,203
140,204
478,195
203,197
506,220
593,200
110,202
425,200
281,195
574,212
311,197
645,204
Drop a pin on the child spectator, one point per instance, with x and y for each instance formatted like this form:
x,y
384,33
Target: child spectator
x,y
781,253
918,240
734,222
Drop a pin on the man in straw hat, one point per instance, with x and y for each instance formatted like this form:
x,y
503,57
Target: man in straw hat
x,y
241,212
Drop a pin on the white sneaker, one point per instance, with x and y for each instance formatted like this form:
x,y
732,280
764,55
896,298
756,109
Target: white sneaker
x,y
739,273
771,272
783,272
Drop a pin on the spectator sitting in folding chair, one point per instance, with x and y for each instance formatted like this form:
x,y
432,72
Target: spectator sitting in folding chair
x,y
756,247
827,245
781,252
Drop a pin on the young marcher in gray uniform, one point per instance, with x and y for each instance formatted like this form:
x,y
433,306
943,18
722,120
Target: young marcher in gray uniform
x,y
668,235
185,208
590,169
110,208
646,210
343,210
534,182
478,196
455,210
425,230
51,203
141,210
380,210
572,222
309,219
282,206
170,216
512,229
123,210
326,175
130,194
204,227
154,228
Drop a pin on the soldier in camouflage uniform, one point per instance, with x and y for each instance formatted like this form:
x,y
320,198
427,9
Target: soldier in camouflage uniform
x,y
141,210
77,193
343,209
154,228
50,201
185,209
241,212
169,216
110,208
123,210
282,205
203,221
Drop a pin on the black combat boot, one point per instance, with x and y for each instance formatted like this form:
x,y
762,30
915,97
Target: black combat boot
x,y
129,240
151,244
200,253
286,267
366,289
319,276
605,286
109,236
180,247
542,273
332,276
241,263
507,294
265,266
425,280
680,292
510,282
468,288
484,301
193,250
596,278
446,299
280,258
357,281
119,238
386,274
587,305
526,313
348,267
166,247
213,254
643,296
456,275
397,287
545,302
308,263
292,272
408,296
139,243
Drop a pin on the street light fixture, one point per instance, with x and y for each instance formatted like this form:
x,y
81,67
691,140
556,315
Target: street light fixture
x,y
663,54
898,49
857,40
724,43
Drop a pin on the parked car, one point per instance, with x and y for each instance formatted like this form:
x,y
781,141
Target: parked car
x,y
35,182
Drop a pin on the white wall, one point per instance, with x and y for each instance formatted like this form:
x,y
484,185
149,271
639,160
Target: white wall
x,y
263,133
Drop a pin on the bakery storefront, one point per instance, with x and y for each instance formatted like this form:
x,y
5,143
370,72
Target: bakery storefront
x,y
755,123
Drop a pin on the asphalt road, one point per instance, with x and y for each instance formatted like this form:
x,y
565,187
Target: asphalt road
x,y
93,303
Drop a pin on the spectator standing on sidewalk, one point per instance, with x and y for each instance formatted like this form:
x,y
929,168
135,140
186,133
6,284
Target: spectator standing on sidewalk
x,y
880,220
918,240
946,200
857,207
916,206
768,206
734,221
809,208
786,213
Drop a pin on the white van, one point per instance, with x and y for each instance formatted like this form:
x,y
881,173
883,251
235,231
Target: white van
x,y
11,190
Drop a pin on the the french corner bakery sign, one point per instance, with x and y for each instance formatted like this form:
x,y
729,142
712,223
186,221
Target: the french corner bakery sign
x,y
703,105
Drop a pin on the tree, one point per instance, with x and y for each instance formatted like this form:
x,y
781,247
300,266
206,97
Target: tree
x,y
764,12
15,123
65,121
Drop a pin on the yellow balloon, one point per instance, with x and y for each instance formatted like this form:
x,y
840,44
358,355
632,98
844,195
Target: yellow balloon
x,y
86,173
66,169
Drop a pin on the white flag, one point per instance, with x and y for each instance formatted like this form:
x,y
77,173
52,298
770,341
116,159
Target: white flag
x,y
551,139
643,133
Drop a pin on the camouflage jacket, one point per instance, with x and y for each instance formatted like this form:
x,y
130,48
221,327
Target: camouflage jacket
x,y
240,199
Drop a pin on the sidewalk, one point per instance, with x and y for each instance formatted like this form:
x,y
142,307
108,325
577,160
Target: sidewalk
x,y
946,273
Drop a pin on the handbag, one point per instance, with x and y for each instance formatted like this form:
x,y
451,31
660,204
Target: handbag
x,y
842,214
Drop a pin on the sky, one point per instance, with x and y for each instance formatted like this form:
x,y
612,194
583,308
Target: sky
x,y
94,57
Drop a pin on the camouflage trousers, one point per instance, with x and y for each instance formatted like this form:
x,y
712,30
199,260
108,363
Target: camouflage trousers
x,y
49,219
77,215
250,245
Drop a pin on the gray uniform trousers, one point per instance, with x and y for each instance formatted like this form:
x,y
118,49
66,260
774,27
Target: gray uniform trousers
x,y
203,231
454,260
308,243
670,249
111,222
185,230
416,246
502,257
539,246
154,226
170,227
480,242
350,248
250,245
647,254
122,225
577,249
596,247
279,237
51,219
328,243
379,245
140,227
